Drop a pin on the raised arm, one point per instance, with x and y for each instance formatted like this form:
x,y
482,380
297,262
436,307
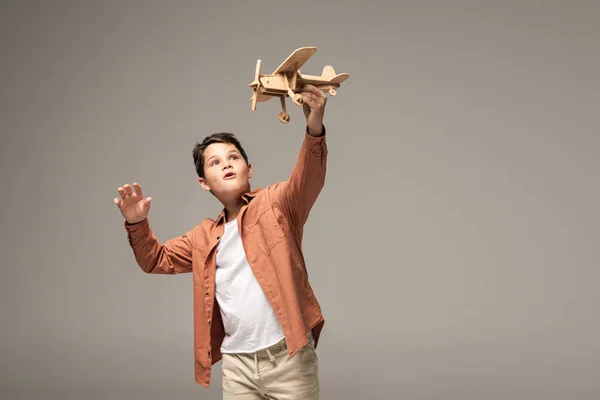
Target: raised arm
x,y
172,257
297,195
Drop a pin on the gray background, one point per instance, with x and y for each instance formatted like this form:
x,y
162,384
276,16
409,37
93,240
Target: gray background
x,y
452,248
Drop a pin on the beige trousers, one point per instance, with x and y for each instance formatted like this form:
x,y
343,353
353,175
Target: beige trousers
x,y
272,374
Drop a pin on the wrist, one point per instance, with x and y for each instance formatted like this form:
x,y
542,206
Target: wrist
x,y
315,132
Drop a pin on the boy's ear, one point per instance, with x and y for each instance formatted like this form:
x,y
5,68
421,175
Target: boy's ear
x,y
249,170
203,184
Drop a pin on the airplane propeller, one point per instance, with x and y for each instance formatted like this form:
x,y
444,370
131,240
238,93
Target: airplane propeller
x,y
256,85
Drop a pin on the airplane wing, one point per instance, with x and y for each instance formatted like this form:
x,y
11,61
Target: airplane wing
x,y
296,59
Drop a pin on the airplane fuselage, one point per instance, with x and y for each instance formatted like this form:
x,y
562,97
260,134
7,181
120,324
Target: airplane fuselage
x,y
276,85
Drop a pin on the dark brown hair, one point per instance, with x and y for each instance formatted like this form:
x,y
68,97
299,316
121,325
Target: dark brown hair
x,y
221,137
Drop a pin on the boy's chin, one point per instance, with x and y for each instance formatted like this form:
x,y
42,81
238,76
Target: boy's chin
x,y
232,193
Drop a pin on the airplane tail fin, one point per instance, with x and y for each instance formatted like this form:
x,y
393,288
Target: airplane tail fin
x,y
328,72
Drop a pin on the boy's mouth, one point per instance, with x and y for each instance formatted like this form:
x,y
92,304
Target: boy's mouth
x,y
229,175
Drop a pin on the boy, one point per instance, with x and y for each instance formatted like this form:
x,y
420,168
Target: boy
x,y
254,308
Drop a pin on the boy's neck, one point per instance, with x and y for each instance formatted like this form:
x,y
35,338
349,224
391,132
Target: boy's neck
x,y
232,209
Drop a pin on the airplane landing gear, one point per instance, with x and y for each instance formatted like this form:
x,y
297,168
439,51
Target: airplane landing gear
x,y
284,117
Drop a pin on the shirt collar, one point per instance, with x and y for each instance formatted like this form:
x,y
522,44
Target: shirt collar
x,y
246,197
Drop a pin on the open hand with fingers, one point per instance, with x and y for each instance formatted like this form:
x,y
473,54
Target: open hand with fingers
x,y
314,108
132,204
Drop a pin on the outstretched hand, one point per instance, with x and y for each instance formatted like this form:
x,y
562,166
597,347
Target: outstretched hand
x,y
314,108
132,204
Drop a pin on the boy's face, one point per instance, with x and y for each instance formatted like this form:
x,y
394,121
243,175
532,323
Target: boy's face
x,y
226,172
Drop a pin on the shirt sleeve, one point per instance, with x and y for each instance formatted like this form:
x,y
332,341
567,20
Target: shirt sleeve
x,y
171,257
297,195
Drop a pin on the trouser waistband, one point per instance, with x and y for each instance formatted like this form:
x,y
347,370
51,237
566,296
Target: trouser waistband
x,y
277,348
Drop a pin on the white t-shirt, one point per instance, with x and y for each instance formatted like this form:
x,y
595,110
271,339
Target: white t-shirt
x,y
249,321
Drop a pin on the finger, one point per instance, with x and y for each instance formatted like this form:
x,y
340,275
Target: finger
x,y
308,95
128,189
319,93
317,99
317,103
138,189
312,89
117,202
146,203
122,192
311,103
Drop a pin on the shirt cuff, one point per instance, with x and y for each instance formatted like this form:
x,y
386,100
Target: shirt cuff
x,y
138,226
316,137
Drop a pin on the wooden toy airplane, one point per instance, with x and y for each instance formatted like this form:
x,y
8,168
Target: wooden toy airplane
x,y
286,79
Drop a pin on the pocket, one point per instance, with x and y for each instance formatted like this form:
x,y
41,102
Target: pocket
x,y
309,353
234,375
266,231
